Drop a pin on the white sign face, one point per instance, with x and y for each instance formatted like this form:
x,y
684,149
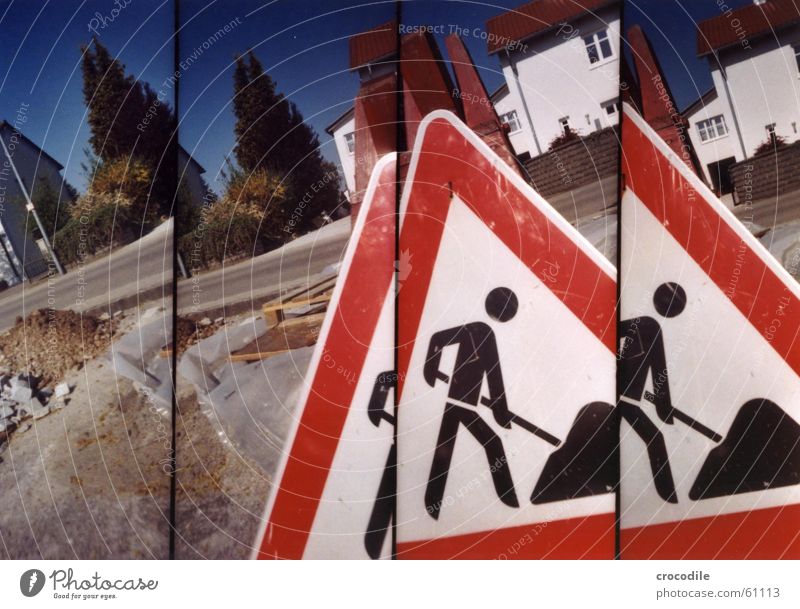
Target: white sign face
x,y
710,441
335,491
505,419
352,520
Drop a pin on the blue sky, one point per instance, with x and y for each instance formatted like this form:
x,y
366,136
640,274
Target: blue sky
x,y
671,26
302,44
308,57
40,63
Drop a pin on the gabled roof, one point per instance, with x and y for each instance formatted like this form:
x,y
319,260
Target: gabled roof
x,y
751,21
190,159
5,124
373,45
534,18
342,118
700,103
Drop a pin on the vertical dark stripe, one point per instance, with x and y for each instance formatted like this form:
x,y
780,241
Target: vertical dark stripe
x,y
398,11
620,186
173,448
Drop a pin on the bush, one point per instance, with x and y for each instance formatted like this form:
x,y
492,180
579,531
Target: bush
x,y
569,135
259,194
248,218
125,182
100,228
218,238
771,145
52,206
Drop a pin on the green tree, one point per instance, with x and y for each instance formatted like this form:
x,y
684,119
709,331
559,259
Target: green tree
x,y
128,120
271,134
114,100
52,207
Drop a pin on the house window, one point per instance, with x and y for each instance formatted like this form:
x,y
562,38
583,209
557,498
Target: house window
x,y
350,140
510,119
712,128
771,133
797,56
598,46
564,123
611,109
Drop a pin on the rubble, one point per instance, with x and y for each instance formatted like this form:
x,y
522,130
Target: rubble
x,y
62,390
189,332
22,399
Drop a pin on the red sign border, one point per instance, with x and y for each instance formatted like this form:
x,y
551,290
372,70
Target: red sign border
x,y
345,337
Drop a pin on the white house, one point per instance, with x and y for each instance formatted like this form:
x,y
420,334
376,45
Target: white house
x,y
342,130
509,114
561,65
20,256
754,57
560,60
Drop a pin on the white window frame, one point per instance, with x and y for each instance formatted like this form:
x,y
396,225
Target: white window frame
x,y
350,142
611,103
712,128
507,119
594,40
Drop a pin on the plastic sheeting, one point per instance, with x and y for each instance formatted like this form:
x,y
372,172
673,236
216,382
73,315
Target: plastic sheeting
x,y
136,357
250,404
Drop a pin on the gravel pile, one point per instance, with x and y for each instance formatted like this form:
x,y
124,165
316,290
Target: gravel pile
x,y
48,343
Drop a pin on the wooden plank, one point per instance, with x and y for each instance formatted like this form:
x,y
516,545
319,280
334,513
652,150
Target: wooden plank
x,y
306,320
278,306
253,357
291,334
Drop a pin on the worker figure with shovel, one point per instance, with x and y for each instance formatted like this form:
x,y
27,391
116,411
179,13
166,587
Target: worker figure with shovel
x,y
642,356
477,358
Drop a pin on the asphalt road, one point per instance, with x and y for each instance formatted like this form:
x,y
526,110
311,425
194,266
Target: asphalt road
x,y
249,283
140,270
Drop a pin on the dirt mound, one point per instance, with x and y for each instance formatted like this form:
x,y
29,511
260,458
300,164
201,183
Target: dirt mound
x,y
48,343
188,332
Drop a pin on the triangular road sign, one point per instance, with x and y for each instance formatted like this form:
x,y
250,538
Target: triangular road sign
x,y
506,365
334,492
710,371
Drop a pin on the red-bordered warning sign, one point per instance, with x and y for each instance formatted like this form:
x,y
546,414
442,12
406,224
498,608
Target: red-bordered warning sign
x,y
506,365
710,365
331,498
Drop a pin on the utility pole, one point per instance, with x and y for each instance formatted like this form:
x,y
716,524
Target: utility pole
x,y
30,207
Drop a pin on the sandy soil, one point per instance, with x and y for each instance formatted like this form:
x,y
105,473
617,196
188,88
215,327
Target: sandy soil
x,y
87,481
221,494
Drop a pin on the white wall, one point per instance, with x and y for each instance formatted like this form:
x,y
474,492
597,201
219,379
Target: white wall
x,y
520,139
715,150
346,158
557,80
764,85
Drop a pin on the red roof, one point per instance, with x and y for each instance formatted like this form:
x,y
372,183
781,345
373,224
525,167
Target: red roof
x,y
745,24
372,45
515,26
